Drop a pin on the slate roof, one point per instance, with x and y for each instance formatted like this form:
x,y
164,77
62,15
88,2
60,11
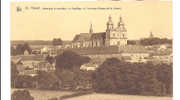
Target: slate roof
x,y
82,37
88,36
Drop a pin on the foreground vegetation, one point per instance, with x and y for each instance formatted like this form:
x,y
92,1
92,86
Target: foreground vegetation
x,y
113,76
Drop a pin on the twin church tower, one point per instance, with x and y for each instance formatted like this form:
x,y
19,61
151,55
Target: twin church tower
x,y
112,36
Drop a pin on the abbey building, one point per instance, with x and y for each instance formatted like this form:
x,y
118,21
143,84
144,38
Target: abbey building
x,y
113,36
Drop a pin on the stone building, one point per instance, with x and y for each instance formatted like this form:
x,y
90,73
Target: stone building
x,y
112,37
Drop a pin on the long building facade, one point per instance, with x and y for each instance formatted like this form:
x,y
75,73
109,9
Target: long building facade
x,y
113,36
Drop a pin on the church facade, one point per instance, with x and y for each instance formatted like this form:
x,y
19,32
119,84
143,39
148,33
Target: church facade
x,y
113,36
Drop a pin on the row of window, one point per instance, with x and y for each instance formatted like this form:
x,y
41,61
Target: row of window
x,y
118,35
87,44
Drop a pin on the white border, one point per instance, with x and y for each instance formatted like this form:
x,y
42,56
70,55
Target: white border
x,y
5,47
5,50
176,49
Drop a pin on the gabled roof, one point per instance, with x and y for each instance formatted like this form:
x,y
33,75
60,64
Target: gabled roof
x,y
27,58
88,36
82,37
100,35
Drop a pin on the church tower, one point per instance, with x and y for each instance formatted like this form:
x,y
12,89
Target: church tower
x,y
109,24
91,29
108,31
151,35
122,28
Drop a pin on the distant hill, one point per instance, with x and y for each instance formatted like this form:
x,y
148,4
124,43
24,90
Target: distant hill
x,y
35,42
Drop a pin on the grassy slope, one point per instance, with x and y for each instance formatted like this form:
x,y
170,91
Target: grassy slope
x,y
45,95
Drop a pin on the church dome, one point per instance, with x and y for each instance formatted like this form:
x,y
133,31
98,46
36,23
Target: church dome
x,y
120,23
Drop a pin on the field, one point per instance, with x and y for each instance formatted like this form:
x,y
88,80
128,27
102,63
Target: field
x,y
45,95
97,96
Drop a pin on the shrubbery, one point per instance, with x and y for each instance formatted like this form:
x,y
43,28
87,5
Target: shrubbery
x,y
21,95
115,76
46,80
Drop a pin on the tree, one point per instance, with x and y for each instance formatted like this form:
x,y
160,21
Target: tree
x,y
104,76
24,81
21,95
47,80
155,41
70,60
14,74
164,75
57,41
68,65
20,48
13,51
115,76
27,47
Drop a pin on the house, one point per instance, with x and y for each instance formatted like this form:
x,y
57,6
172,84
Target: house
x,y
134,53
163,58
44,50
25,64
28,72
89,67
44,66
36,51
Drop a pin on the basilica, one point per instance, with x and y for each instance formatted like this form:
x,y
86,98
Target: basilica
x,y
113,36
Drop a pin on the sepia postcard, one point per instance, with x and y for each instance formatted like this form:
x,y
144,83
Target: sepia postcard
x,y
91,51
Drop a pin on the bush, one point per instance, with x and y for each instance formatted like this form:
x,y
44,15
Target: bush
x,y
21,95
53,98
47,81
24,82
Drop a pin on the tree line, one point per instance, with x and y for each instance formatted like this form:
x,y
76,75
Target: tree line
x,y
155,41
150,41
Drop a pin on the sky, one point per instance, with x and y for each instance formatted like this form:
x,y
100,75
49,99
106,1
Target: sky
x,y
34,22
